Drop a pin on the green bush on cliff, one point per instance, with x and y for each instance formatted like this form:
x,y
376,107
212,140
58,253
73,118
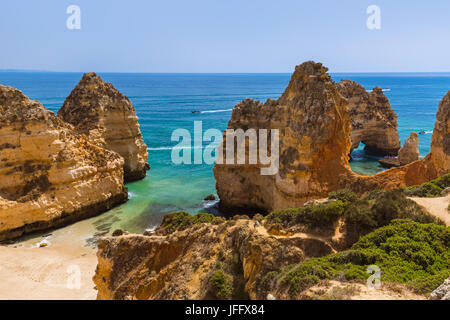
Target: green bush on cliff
x,y
221,284
426,190
345,195
361,214
202,217
311,216
430,189
181,220
391,205
442,182
415,254
364,216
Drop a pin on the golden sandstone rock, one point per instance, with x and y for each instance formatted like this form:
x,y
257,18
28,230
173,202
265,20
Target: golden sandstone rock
x,y
374,123
314,124
410,150
108,118
180,265
49,175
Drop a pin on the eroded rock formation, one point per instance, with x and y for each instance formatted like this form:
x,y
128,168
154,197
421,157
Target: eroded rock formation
x,y
49,175
108,118
410,150
206,257
314,132
180,265
314,126
374,123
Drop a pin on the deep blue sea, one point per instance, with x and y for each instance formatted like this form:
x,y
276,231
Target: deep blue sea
x,y
164,102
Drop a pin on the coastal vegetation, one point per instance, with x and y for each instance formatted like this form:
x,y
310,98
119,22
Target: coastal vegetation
x,y
331,244
432,189
411,246
411,253
181,220
376,210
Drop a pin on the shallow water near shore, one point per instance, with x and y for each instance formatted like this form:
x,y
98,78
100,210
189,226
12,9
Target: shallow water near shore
x,y
164,102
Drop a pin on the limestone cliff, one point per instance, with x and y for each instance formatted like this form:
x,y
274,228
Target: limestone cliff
x,y
434,165
108,118
50,176
409,152
181,265
374,123
314,125
207,257
314,132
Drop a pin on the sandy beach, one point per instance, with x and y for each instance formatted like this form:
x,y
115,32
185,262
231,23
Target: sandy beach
x,y
61,271
437,207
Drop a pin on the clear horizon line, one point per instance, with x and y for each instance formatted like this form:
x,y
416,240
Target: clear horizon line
x,y
165,72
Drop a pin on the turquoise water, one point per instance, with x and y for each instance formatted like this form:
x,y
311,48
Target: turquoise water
x,y
164,103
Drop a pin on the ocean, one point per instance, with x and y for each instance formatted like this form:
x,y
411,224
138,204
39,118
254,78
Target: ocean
x,y
164,102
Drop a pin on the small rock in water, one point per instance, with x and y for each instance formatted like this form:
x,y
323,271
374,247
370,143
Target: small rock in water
x,y
117,233
211,197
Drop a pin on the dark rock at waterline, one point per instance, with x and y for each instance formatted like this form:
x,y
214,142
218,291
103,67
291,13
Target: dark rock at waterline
x,y
117,233
211,197
389,162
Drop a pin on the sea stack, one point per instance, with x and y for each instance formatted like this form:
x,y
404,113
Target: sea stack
x,y
410,150
107,117
314,133
314,126
374,123
49,175
440,144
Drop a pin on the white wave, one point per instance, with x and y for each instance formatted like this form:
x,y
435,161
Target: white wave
x,y
159,148
214,111
384,90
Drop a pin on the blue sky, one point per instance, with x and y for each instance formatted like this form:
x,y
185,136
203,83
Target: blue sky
x,y
225,35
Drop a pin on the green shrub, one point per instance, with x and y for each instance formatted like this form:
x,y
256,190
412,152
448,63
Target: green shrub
x,y
442,182
345,195
181,220
430,189
360,214
221,284
176,221
202,217
426,190
373,194
417,255
323,215
394,205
